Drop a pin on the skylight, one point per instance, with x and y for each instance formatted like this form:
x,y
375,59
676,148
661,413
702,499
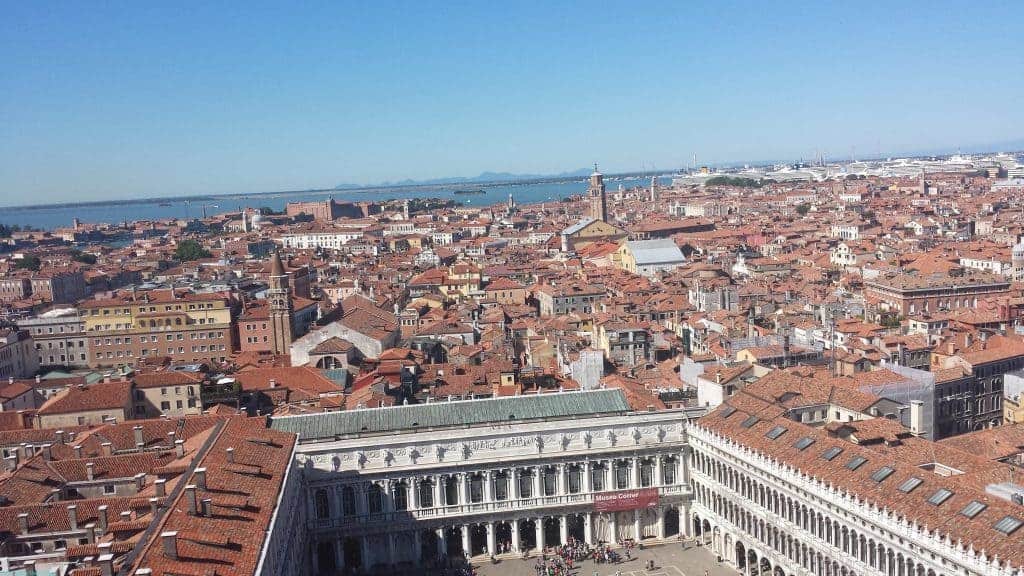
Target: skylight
x,y
973,509
750,421
909,484
831,453
882,473
728,411
940,496
776,432
803,443
1008,524
856,462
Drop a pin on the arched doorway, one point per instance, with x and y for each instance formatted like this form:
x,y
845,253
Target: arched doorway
x,y
752,561
780,572
765,567
552,531
741,556
477,539
428,544
503,537
325,557
527,534
671,522
453,537
575,527
353,553
698,526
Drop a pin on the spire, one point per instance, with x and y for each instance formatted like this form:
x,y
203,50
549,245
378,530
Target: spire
x,y
276,267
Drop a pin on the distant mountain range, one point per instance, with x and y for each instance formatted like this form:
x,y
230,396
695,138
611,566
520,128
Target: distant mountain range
x,y
483,177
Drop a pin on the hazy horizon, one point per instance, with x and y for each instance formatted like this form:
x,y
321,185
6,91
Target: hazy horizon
x,y
131,101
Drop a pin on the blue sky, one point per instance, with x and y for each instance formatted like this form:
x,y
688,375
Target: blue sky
x,y
150,99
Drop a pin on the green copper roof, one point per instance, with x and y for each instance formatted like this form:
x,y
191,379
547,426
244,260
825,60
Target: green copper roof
x,y
446,414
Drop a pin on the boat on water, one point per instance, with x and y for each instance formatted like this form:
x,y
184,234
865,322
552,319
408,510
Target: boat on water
x,y
165,204
462,192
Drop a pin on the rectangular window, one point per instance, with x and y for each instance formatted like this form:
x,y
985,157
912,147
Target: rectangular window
x,y
109,489
831,453
549,483
973,509
940,496
910,484
525,486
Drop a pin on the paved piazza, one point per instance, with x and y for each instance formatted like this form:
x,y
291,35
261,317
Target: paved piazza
x,y
670,559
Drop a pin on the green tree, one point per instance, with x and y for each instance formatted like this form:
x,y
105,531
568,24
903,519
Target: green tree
x,y
189,250
28,263
83,257
803,209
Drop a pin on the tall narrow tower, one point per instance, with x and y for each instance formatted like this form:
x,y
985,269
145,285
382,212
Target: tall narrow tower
x,y
598,197
280,307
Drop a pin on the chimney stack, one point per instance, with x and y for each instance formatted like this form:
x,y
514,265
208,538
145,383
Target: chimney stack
x,y
90,532
60,436
190,496
73,516
206,505
107,449
139,441
273,383
140,481
170,542
30,567
11,462
23,522
154,506
161,487
106,563
916,417
179,448
77,449
90,471
102,510
201,478
231,455
47,452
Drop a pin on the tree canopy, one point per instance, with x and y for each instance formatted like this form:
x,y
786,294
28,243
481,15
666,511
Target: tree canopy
x,y
28,263
189,250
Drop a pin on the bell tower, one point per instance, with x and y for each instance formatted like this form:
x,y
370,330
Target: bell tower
x,y
280,307
598,197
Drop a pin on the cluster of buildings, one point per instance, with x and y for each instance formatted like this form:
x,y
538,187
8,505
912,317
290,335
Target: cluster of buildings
x,y
809,375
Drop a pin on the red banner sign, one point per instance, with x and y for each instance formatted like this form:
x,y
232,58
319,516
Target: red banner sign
x,y
626,500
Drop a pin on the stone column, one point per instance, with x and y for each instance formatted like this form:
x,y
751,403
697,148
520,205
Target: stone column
x,y
515,537
414,498
391,548
661,523
488,479
685,523
637,533
685,463
362,500
536,482
439,491
588,528
492,547
366,553
339,554
417,542
634,474
659,479
613,527
514,489
465,541
442,548
588,482
609,475
464,486
539,525
560,483
563,528
388,505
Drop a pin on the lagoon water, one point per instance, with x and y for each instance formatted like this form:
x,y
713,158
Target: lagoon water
x,y
58,215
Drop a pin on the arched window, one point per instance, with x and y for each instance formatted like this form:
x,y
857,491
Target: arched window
x,y
400,496
375,499
426,494
348,501
323,504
